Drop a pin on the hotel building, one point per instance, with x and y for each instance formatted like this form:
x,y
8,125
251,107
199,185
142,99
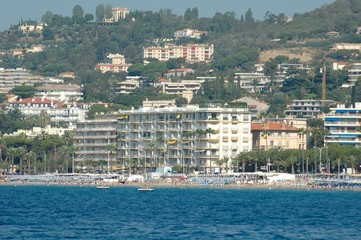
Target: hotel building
x,y
189,136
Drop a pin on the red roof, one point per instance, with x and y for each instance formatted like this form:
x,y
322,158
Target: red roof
x,y
272,126
38,101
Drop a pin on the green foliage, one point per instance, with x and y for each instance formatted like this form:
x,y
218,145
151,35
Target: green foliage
x,y
96,108
24,91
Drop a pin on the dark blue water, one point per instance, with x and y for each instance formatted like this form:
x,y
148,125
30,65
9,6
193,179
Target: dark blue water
x,y
124,213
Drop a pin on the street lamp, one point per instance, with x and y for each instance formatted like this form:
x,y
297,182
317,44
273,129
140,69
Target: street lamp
x,y
320,149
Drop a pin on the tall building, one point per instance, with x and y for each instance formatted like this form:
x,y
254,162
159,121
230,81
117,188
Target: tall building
x,y
191,52
344,124
96,139
192,137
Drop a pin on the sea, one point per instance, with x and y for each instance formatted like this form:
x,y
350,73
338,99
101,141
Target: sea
x,y
59,212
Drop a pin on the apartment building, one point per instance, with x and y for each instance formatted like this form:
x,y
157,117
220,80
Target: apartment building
x,y
306,108
189,136
127,87
185,88
116,65
96,139
189,33
60,92
179,72
267,135
57,111
191,52
252,82
344,124
10,78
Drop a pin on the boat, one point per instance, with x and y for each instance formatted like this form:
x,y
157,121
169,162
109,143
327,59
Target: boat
x,y
102,187
146,189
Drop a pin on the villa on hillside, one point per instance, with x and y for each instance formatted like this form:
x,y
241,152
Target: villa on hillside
x,y
116,65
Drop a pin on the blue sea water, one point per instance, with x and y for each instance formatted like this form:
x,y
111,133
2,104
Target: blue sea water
x,y
42,212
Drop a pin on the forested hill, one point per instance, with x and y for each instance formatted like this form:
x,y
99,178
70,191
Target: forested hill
x,y
76,43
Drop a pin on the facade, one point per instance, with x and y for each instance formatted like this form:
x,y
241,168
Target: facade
x,y
127,86
36,131
117,64
179,72
178,136
252,82
339,65
354,73
267,135
343,124
35,49
255,106
28,28
191,52
10,78
306,108
346,46
60,92
189,33
119,13
185,88
56,110
158,103
96,139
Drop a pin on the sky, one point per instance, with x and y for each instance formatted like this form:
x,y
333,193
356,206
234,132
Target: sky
x,y
12,11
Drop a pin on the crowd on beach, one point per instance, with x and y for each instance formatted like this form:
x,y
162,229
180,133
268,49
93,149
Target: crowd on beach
x,y
309,182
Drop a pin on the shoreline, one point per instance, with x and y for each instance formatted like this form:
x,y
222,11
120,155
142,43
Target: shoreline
x,y
188,186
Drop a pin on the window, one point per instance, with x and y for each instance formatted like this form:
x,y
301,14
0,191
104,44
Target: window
x,y
271,143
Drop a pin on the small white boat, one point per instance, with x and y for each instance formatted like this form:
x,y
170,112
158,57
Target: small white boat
x,y
146,189
102,187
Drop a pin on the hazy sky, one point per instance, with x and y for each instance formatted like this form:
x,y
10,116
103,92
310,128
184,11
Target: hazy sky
x,y
11,11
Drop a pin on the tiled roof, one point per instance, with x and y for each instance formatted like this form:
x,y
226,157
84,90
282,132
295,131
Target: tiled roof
x,y
271,126
38,101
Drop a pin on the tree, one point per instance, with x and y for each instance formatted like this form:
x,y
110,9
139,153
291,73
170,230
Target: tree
x,y
78,12
248,17
270,69
89,17
108,11
100,13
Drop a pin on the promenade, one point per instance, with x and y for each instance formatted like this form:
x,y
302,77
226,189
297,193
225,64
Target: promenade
x,y
310,182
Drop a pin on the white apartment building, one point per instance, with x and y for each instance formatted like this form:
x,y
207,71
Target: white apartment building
x,y
96,139
160,137
56,110
343,124
185,88
117,64
127,87
252,82
191,52
10,78
189,33
60,92
306,108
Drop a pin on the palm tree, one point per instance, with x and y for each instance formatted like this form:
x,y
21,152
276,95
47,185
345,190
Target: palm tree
x,y
243,157
198,133
188,137
21,151
152,146
11,151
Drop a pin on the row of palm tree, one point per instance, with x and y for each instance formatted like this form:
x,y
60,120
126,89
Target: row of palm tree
x,y
335,158
44,153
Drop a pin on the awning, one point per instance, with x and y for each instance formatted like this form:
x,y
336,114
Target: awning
x,y
172,141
